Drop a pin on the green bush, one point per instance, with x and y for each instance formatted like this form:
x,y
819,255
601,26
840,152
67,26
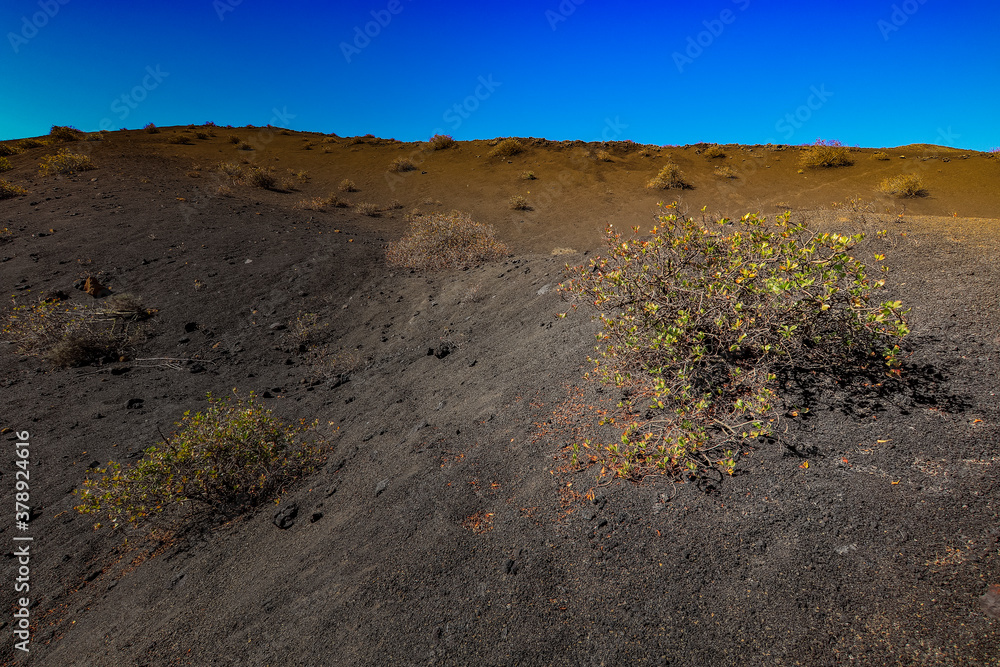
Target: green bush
x,y
668,177
65,162
440,241
904,185
506,148
698,316
826,154
227,460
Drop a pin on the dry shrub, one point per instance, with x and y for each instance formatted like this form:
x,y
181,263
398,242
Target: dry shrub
x,y
151,128
254,176
880,155
65,133
826,154
7,149
369,209
179,139
668,177
519,203
604,156
402,164
528,176
65,162
244,146
903,185
27,144
714,151
8,190
507,148
347,185
201,135
442,141
445,241
322,203
5,164
725,171
233,139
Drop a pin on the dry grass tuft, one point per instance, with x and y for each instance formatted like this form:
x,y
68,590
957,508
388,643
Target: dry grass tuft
x,y
252,175
904,185
507,148
369,209
233,139
519,203
604,156
725,171
347,185
442,141
880,155
401,164
65,162
244,146
445,241
528,176
65,133
826,154
180,139
668,177
27,144
7,149
714,151
151,128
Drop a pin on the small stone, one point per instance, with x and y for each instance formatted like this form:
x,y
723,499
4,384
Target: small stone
x,y
380,487
134,404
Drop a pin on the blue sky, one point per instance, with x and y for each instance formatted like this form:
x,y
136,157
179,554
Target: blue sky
x,y
867,73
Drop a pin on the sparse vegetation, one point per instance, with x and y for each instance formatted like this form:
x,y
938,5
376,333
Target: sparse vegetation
x,y
5,165
8,190
202,136
445,241
725,171
903,185
880,155
244,146
507,148
527,175
714,151
7,149
322,203
233,139
347,185
234,456
518,203
151,128
697,317
668,177
65,133
251,175
28,144
401,164
179,139
368,208
826,154
442,141
65,162
604,156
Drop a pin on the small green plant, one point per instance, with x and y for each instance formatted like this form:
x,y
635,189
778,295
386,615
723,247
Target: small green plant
x,y
668,177
880,155
347,185
442,141
234,456
151,128
506,148
518,203
28,144
445,241
697,317
401,164
8,190
904,185
826,154
65,162
714,151
527,176
65,133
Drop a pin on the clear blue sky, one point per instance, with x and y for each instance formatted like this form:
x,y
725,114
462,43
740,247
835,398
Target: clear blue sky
x,y
869,73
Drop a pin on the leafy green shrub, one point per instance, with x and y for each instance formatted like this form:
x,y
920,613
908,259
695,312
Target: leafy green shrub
x,y
7,149
507,148
668,177
65,133
714,151
401,164
5,164
519,203
445,241
442,141
904,185
698,316
151,128
880,155
8,190
65,162
227,460
826,154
